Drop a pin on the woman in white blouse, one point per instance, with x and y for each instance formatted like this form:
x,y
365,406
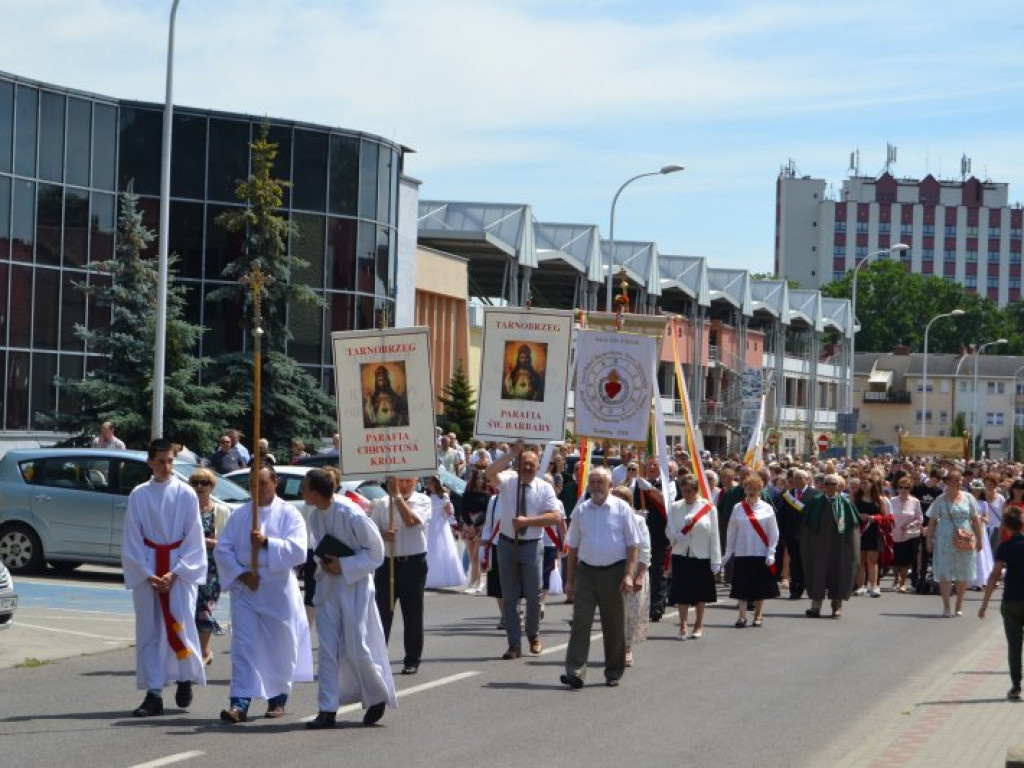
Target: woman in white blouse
x,y
752,536
908,522
692,531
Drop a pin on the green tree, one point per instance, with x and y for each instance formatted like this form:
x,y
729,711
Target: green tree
x,y
291,400
121,390
894,306
459,413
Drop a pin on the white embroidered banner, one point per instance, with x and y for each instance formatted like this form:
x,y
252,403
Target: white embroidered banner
x,y
614,385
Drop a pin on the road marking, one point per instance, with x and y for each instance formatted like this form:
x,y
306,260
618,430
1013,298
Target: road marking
x,y
413,689
103,616
72,632
170,759
27,580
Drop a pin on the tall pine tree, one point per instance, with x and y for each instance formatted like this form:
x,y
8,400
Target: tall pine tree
x,y
121,389
459,414
292,402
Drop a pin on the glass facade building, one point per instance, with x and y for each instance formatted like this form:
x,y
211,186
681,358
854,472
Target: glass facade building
x,y
65,156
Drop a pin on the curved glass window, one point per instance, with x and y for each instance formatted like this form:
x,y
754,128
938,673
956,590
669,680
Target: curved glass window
x,y
309,174
79,142
51,137
229,158
25,116
6,125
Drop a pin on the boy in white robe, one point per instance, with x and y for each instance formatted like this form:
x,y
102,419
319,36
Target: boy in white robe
x,y
352,659
270,646
163,555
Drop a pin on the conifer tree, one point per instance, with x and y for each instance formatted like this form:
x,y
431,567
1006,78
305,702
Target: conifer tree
x,y
459,405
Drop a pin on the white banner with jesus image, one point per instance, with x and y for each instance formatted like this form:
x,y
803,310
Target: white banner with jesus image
x,y
614,385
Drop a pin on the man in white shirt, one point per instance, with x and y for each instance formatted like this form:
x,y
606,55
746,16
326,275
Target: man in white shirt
x,y
163,554
604,545
402,518
270,646
523,518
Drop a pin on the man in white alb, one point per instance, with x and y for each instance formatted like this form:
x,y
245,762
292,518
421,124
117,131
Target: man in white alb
x,y
270,646
163,554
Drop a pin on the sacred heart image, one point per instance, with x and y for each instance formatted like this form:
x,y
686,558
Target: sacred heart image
x,y
525,366
612,385
615,387
385,401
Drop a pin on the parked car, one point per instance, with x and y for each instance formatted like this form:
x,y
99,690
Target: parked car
x,y
289,484
8,598
66,506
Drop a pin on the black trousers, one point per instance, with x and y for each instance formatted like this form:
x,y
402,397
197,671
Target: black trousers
x,y
796,568
410,582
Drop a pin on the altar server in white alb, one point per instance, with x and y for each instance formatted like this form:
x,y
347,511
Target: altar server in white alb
x,y
163,554
270,646
352,660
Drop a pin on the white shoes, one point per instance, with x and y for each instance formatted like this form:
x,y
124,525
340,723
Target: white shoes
x,y
861,591
876,592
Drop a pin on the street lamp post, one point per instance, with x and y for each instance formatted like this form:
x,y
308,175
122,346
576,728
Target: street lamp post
x,y
156,428
611,227
853,330
1013,428
924,376
976,430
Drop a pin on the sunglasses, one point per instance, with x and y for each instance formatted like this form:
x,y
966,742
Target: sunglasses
x,y
199,483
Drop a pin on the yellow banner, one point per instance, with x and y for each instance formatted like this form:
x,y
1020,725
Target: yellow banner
x,y
952,447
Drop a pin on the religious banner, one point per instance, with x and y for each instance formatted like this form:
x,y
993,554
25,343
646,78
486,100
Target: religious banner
x,y
385,402
614,385
524,374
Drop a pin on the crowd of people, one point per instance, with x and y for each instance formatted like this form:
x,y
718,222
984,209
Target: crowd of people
x,y
627,547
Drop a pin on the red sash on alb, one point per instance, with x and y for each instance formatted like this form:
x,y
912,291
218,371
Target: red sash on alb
x,y
163,565
757,529
696,519
489,544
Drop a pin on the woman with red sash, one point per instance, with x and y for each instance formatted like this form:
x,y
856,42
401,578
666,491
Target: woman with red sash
x,y
751,538
692,531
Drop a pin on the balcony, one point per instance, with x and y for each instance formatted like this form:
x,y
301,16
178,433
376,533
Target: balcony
x,y
901,397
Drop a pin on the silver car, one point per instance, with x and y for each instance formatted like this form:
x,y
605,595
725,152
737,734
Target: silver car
x,y
8,598
66,506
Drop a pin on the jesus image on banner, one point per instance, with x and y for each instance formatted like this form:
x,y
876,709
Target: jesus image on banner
x,y
525,362
385,402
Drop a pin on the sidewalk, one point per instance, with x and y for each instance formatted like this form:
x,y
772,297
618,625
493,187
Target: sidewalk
x,y
962,718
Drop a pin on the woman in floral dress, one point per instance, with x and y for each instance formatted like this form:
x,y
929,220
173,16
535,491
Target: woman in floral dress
x,y
952,510
214,515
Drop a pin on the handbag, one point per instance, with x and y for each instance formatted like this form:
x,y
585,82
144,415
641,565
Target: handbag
x,y
963,541
886,547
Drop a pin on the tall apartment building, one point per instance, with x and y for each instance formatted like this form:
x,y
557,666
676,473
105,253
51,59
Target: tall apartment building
x,y
964,231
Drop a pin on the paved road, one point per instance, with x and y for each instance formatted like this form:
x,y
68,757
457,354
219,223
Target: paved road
x,y
795,692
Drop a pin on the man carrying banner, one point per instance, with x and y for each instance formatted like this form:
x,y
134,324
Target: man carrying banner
x,y
647,496
526,505
163,554
402,518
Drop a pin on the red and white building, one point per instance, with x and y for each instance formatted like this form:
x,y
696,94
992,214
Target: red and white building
x,y
965,231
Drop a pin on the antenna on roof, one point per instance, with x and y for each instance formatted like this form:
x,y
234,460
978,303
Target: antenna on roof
x,y
855,163
890,156
965,167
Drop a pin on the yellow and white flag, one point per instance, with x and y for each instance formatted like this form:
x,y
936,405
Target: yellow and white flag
x,y
754,457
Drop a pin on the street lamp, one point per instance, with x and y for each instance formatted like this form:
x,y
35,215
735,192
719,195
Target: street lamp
x,y
924,388
1013,428
853,330
611,226
156,428
976,431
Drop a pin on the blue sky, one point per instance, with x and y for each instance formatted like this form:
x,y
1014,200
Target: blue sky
x,y
555,104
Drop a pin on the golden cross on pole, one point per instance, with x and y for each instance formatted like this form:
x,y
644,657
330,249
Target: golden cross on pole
x,y
255,282
622,300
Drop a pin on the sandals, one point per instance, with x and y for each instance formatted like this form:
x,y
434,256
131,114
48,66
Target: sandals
x,y
697,634
759,621
740,623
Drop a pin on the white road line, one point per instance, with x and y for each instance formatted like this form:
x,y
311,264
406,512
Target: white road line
x,y
413,689
170,759
102,614
72,632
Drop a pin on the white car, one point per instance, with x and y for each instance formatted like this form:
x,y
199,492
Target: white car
x,y
289,484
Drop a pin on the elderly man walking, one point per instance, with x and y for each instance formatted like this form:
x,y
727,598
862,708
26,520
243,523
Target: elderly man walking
x,y
604,544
